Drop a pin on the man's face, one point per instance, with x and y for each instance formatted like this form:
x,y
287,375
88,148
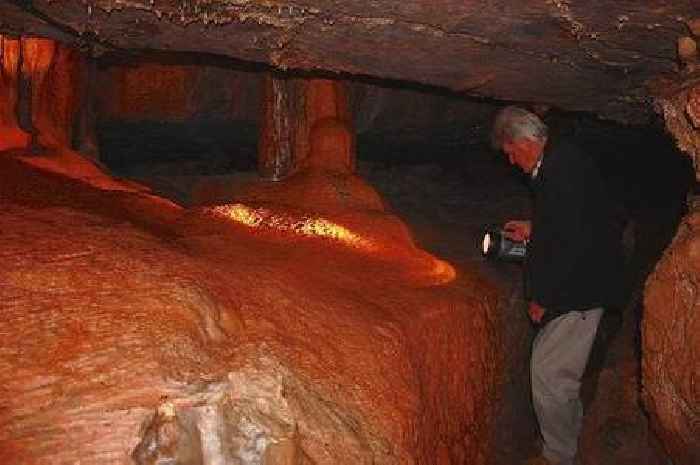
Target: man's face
x,y
524,153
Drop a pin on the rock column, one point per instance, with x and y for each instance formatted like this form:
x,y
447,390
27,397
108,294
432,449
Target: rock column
x,y
291,108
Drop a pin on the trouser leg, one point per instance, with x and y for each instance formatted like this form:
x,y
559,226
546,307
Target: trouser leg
x,y
559,356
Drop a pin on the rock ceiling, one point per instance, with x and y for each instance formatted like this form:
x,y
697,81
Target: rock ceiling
x,y
589,56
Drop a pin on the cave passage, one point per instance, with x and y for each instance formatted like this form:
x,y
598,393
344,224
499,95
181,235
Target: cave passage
x,y
400,174
439,174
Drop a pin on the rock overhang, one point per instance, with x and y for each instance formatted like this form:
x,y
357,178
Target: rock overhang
x,y
574,56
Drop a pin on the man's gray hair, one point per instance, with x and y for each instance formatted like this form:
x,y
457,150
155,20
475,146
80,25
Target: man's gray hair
x,y
514,123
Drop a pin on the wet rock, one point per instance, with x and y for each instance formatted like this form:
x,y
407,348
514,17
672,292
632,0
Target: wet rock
x,y
671,346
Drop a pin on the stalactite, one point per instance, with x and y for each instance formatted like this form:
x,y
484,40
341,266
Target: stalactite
x,y
11,136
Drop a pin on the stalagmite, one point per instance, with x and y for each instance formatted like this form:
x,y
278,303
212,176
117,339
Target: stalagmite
x,y
331,146
327,106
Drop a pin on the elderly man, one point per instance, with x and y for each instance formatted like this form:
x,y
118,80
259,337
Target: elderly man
x,y
573,270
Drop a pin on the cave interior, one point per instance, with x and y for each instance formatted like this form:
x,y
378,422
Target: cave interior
x,y
188,233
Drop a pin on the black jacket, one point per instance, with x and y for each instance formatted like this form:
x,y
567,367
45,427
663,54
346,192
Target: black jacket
x,y
575,252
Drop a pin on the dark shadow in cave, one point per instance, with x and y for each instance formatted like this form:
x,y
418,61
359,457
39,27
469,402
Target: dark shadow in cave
x,y
200,148
649,180
205,138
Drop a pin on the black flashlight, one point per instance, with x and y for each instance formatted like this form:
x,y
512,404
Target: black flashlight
x,y
497,245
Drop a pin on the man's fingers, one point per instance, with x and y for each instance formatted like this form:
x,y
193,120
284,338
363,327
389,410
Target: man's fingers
x,y
536,312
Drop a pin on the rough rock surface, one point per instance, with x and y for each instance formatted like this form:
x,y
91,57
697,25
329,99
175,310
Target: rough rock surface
x,y
671,345
42,93
135,331
678,100
169,88
185,88
11,135
575,55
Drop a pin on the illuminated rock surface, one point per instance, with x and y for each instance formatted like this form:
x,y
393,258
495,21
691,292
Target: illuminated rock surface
x,y
133,328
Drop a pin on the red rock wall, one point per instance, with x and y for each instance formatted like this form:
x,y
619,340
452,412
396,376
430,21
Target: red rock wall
x,y
176,92
671,345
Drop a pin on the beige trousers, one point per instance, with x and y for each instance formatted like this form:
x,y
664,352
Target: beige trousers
x,y
559,356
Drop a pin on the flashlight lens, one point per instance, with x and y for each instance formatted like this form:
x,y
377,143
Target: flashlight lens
x,y
487,243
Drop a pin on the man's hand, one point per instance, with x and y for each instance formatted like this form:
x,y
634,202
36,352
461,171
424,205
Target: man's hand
x,y
517,230
536,312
